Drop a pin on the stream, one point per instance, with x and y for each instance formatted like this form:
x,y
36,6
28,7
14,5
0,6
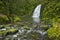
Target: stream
x,y
31,29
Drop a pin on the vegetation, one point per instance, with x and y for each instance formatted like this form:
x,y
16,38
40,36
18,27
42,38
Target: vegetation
x,y
13,11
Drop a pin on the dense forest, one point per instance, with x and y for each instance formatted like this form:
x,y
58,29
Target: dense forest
x,y
13,11
21,8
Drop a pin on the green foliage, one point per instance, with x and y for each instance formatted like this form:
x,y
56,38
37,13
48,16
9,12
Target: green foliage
x,y
16,18
14,10
25,7
3,19
6,31
22,8
51,10
26,27
54,32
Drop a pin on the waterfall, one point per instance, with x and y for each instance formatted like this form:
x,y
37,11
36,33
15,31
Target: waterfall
x,y
36,14
36,22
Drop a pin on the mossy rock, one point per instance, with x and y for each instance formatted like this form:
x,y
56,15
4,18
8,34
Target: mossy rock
x,y
26,27
10,31
3,19
16,18
3,33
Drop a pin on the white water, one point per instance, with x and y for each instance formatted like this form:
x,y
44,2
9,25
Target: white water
x,y
36,19
36,14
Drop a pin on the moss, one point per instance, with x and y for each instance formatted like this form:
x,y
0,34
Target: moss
x,y
26,27
3,19
4,33
54,32
12,30
6,26
16,18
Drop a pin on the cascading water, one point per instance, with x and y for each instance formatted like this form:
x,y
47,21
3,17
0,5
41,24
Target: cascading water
x,y
36,21
36,14
36,17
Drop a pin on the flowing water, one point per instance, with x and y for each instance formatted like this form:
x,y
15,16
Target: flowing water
x,y
36,30
31,28
36,12
35,26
